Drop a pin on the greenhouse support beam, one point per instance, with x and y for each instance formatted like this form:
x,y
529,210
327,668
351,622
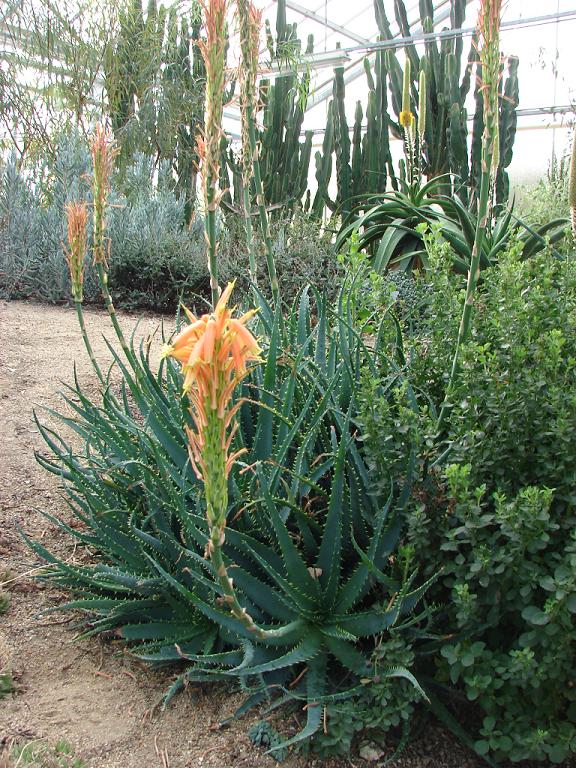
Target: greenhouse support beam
x,y
563,109
448,34
356,69
326,22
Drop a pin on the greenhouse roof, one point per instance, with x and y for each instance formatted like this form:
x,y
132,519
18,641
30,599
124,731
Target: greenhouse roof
x,y
540,34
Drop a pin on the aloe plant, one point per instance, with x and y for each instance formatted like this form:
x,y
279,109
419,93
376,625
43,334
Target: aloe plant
x,y
458,224
386,224
308,538
391,227
240,531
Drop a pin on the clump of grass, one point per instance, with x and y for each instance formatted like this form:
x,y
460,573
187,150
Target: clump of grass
x,y
4,602
38,754
6,683
5,577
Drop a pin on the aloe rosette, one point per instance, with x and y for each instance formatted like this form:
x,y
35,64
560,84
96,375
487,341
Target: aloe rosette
x,y
307,540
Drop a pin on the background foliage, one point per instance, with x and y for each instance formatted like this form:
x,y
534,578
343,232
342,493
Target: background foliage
x,y
155,256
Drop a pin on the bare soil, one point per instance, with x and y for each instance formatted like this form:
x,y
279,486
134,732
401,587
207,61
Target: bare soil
x,y
91,692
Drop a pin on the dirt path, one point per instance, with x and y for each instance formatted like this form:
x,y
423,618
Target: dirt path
x,y
89,692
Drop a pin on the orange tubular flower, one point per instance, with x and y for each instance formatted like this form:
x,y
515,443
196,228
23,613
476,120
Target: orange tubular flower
x,y
77,218
214,351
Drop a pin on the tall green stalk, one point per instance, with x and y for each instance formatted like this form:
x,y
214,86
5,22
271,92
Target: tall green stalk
x,y
489,40
249,20
83,331
77,218
250,235
103,153
102,273
572,187
213,50
407,120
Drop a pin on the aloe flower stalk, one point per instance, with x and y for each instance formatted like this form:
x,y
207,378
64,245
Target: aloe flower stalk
x,y
104,151
407,120
249,21
489,18
406,117
213,50
422,105
572,186
422,95
214,351
77,219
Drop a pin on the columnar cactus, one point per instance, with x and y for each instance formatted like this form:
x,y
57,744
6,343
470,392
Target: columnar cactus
x,y
284,158
446,135
250,22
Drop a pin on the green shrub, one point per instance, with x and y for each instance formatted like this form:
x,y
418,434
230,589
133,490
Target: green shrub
x,y
383,706
548,199
153,256
33,227
497,514
304,255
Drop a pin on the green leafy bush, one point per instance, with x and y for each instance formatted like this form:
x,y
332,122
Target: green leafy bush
x,y
497,512
548,199
385,705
